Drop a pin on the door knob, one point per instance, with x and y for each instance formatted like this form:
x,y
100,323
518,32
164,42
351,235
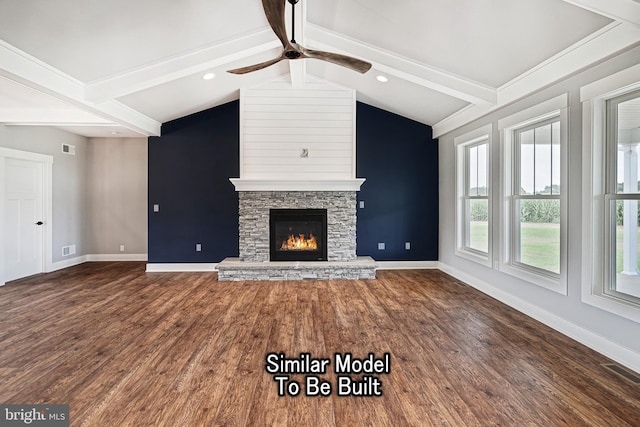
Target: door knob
x,y
39,223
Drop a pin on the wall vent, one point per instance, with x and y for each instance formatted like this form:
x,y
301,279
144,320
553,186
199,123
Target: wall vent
x,y
68,250
69,149
624,373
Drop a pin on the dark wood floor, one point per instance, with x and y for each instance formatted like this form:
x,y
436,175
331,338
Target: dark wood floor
x,y
126,348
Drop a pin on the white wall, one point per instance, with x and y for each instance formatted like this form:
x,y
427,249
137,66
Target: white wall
x,y
612,335
278,121
69,180
99,194
117,197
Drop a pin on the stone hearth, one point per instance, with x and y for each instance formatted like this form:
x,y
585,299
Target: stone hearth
x,y
254,263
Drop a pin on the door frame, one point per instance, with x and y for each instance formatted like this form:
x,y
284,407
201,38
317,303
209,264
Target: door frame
x,y
47,204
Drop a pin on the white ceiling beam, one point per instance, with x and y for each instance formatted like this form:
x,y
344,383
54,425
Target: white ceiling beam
x,y
22,68
47,115
619,10
398,66
613,38
297,69
184,65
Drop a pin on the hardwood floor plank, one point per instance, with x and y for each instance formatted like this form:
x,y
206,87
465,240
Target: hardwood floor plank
x,y
129,348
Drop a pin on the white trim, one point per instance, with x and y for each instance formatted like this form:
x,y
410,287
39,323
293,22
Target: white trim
x,y
612,85
22,68
596,47
47,208
557,106
535,113
180,66
584,336
594,168
60,265
181,267
292,185
461,142
395,65
620,10
116,257
406,265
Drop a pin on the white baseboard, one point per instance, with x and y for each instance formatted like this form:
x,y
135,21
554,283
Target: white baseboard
x,y
181,267
59,265
117,257
596,342
406,265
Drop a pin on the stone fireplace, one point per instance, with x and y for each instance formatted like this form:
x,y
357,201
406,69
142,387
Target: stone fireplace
x,y
297,152
254,227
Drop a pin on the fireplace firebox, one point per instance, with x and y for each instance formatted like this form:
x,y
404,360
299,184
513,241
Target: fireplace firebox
x,y
298,234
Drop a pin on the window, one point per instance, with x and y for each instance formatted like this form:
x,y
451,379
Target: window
x,y
622,192
534,182
473,214
536,199
611,140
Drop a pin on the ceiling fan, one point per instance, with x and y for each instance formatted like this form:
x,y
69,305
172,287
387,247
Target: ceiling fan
x,y
275,11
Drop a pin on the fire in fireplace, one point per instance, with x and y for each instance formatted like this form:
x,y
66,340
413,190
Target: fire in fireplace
x,y
298,234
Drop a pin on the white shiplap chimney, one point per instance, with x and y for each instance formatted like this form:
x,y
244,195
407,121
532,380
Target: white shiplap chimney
x,y
297,138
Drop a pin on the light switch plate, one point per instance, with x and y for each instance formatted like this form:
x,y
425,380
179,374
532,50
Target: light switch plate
x,y
381,246
156,208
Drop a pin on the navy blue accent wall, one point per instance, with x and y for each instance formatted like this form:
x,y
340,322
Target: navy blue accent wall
x,y
399,159
189,170
191,163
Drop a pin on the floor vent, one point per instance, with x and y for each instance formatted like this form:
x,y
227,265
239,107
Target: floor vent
x,y
68,250
623,372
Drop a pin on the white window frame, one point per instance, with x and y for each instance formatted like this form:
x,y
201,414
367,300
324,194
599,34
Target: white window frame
x,y
595,237
462,144
553,108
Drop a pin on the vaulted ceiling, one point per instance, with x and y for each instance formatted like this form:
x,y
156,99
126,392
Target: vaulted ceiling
x,y
122,67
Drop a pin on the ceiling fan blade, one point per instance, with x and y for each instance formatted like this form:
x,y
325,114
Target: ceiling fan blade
x,y
256,67
274,10
336,58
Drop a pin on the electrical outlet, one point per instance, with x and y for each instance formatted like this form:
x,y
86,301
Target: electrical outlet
x,y
121,248
361,204
381,246
198,247
407,245
156,208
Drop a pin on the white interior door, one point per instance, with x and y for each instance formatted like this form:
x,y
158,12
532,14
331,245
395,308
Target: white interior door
x,y
23,218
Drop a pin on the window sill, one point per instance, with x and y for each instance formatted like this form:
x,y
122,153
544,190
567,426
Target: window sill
x,y
558,285
474,257
612,304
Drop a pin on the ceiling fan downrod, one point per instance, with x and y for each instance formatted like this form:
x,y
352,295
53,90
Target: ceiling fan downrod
x,y
293,19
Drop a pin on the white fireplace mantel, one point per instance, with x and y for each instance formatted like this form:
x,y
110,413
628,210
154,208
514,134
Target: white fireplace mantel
x,y
297,185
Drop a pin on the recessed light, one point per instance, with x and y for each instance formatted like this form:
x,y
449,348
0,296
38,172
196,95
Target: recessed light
x,y
382,79
208,76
